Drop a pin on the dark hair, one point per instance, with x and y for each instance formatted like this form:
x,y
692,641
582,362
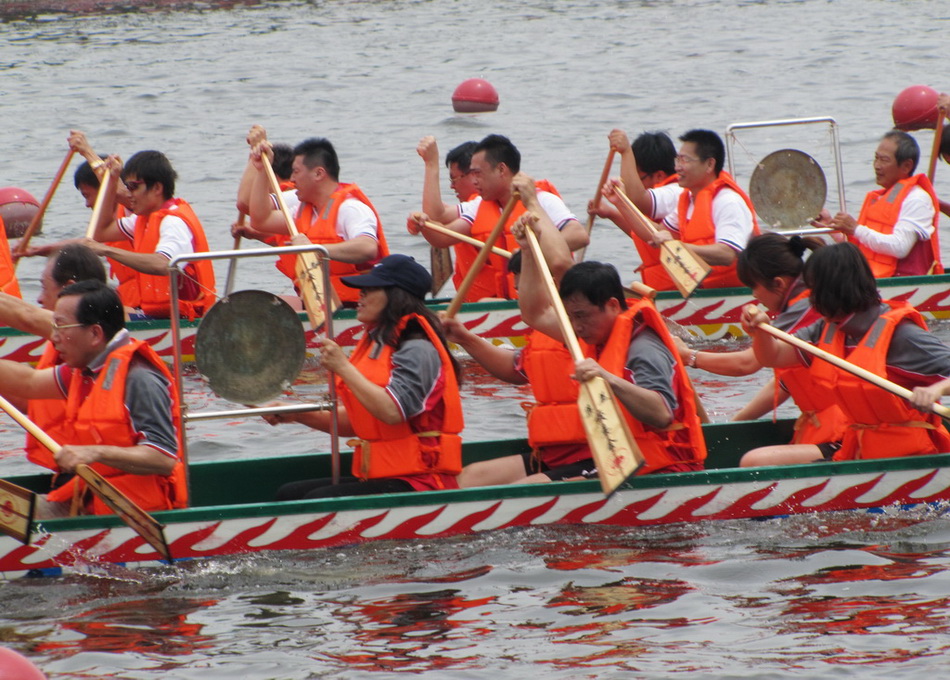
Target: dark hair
x,y
907,148
283,163
399,303
319,152
841,281
597,281
152,167
654,152
461,156
945,144
99,304
514,264
499,149
85,175
708,145
771,255
76,262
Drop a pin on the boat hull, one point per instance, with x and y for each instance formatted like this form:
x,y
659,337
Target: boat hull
x,y
235,515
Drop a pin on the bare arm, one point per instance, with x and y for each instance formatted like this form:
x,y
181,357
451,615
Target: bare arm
x,y
432,203
763,402
137,460
769,351
629,173
25,382
107,229
23,316
375,398
264,216
716,254
155,264
414,225
645,405
738,363
317,420
498,361
356,250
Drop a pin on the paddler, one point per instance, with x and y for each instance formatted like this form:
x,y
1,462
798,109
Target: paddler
x,y
887,338
496,162
626,342
398,391
329,212
897,226
710,213
121,404
772,266
162,227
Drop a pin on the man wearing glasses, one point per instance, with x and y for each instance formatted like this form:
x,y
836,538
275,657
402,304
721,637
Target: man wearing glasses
x,y
122,407
710,213
162,227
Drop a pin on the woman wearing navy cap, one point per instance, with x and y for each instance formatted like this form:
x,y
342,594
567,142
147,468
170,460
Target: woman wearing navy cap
x,y
398,392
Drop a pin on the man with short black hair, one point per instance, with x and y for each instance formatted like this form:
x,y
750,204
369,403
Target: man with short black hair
x,y
122,407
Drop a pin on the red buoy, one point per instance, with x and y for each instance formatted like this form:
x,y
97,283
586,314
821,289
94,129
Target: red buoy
x,y
14,666
475,95
17,208
915,108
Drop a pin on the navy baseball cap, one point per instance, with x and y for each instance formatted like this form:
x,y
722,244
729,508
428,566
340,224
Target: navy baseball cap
x,y
394,270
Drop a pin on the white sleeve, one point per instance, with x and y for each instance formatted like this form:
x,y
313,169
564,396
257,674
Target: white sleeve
x,y
174,238
290,199
468,209
127,226
555,208
732,218
354,219
665,200
915,222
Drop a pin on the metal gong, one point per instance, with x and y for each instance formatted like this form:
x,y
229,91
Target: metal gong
x,y
250,346
788,189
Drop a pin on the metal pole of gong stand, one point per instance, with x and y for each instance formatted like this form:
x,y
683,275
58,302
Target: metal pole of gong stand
x,y
324,259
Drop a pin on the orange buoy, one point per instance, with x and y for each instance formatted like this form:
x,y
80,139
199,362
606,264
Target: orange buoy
x,y
14,666
17,208
475,95
915,108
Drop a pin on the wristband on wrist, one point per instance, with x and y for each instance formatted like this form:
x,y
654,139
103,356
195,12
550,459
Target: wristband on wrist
x,y
692,358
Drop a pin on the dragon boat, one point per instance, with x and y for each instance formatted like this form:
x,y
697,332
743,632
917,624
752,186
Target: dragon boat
x,y
708,314
233,511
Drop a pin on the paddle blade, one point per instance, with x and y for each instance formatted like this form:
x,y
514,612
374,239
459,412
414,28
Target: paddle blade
x,y
16,511
613,447
310,284
686,269
140,521
440,261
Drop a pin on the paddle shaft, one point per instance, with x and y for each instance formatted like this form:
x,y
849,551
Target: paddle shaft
x,y
232,265
464,239
604,174
140,521
935,151
846,365
483,254
97,206
38,217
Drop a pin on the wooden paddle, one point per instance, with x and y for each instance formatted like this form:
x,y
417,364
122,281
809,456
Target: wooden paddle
x,y
309,274
100,201
140,521
17,506
428,224
483,254
440,263
38,217
605,173
846,365
686,269
613,446
935,150
232,265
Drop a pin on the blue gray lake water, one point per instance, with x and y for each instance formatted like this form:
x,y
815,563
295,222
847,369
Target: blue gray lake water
x,y
830,596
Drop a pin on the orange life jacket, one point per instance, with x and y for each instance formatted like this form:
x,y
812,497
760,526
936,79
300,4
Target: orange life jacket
x,y
821,419
650,256
152,293
882,425
681,445
49,415
700,230
102,418
880,212
125,277
323,230
8,280
493,280
397,450
554,423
